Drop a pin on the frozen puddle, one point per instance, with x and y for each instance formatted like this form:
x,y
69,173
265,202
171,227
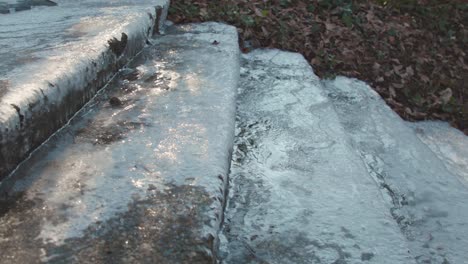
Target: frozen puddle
x,y
140,174
300,194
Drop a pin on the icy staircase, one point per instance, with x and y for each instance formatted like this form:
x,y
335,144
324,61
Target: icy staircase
x,y
194,153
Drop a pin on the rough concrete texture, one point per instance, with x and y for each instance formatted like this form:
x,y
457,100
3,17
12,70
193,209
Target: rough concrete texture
x,y
300,194
428,202
54,59
140,175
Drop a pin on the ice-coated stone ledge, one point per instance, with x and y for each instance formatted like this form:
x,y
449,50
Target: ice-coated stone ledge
x,y
300,194
428,200
13,6
140,175
449,144
54,59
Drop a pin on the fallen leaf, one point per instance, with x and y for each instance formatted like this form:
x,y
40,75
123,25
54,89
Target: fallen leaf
x,y
392,92
409,71
445,95
424,78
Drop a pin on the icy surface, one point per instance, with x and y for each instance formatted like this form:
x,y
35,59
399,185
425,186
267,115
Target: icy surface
x,y
429,203
299,193
140,174
41,41
448,143
12,6
54,59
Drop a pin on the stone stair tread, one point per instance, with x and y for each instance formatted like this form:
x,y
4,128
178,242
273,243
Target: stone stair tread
x,y
300,194
428,201
139,176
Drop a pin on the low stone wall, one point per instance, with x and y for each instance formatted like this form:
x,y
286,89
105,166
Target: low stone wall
x,y
30,115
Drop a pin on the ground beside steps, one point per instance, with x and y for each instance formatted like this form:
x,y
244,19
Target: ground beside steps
x,y
140,175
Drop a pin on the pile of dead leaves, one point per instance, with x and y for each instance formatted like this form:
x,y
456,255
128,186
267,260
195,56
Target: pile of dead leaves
x,y
412,52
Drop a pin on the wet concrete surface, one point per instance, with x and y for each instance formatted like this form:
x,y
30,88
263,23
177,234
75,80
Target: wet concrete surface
x,y
139,181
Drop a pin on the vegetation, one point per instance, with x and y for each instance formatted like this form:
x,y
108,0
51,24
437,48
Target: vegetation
x,y
413,52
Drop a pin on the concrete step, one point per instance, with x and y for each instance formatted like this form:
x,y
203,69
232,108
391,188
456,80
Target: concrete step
x,y
428,201
54,59
300,193
140,174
